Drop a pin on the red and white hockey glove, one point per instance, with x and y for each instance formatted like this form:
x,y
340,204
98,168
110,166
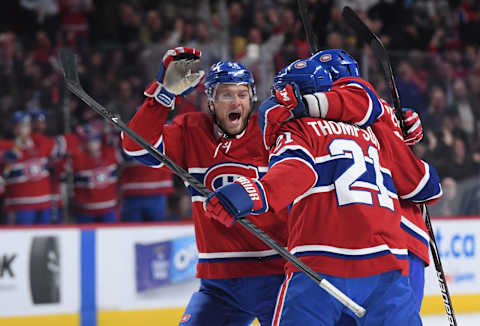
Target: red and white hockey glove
x,y
290,98
236,200
285,105
178,75
413,125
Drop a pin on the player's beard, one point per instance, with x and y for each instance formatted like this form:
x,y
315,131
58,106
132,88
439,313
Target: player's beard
x,y
222,123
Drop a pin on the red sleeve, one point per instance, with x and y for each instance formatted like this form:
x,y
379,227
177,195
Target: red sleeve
x,y
291,157
149,122
415,180
352,100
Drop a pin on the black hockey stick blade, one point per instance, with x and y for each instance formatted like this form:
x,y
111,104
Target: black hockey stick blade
x,y
307,25
69,65
352,19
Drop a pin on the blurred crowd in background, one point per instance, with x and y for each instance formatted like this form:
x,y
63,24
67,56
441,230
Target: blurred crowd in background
x,y
434,47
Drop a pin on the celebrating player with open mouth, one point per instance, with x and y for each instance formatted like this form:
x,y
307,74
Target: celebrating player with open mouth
x,y
240,276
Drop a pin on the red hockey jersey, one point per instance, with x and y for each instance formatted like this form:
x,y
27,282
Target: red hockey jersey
x,y
353,100
138,179
95,181
27,179
344,220
191,142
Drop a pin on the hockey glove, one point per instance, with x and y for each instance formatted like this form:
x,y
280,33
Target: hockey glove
x,y
12,155
236,200
412,123
178,75
291,99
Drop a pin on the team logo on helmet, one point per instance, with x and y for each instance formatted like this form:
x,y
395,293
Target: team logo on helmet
x,y
326,57
185,318
300,64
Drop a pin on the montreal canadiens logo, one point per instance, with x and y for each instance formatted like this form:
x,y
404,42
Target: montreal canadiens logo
x,y
225,173
300,64
326,57
185,318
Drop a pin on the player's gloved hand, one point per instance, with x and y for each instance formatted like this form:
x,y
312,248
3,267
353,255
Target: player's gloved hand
x,y
271,115
291,99
178,75
12,155
413,125
236,200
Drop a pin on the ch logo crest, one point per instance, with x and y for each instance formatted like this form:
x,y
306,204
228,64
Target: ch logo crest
x,y
225,173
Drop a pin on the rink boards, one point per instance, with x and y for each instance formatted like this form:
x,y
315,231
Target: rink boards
x,y
144,274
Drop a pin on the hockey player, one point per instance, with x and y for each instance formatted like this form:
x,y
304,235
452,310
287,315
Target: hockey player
x,y
144,192
95,168
28,191
216,148
240,276
55,166
352,99
334,167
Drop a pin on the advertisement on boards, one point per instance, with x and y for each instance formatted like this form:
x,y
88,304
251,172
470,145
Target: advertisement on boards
x,y
458,244
145,267
39,272
165,262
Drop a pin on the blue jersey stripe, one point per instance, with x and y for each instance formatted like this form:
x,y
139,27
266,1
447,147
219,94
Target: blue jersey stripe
x,y
349,257
432,188
329,171
377,108
415,234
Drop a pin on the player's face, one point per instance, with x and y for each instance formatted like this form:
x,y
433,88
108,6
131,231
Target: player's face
x,y
23,129
232,106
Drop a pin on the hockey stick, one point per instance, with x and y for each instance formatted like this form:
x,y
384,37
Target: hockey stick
x,y
381,53
72,81
311,38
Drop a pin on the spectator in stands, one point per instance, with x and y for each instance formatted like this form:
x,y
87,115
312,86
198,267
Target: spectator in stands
x,y
259,58
436,111
409,89
74,20
127,44
448,204
464,117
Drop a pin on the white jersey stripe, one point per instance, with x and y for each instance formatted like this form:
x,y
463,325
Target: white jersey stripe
x,y
347,251
28,200
415,229
146,185
238,254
